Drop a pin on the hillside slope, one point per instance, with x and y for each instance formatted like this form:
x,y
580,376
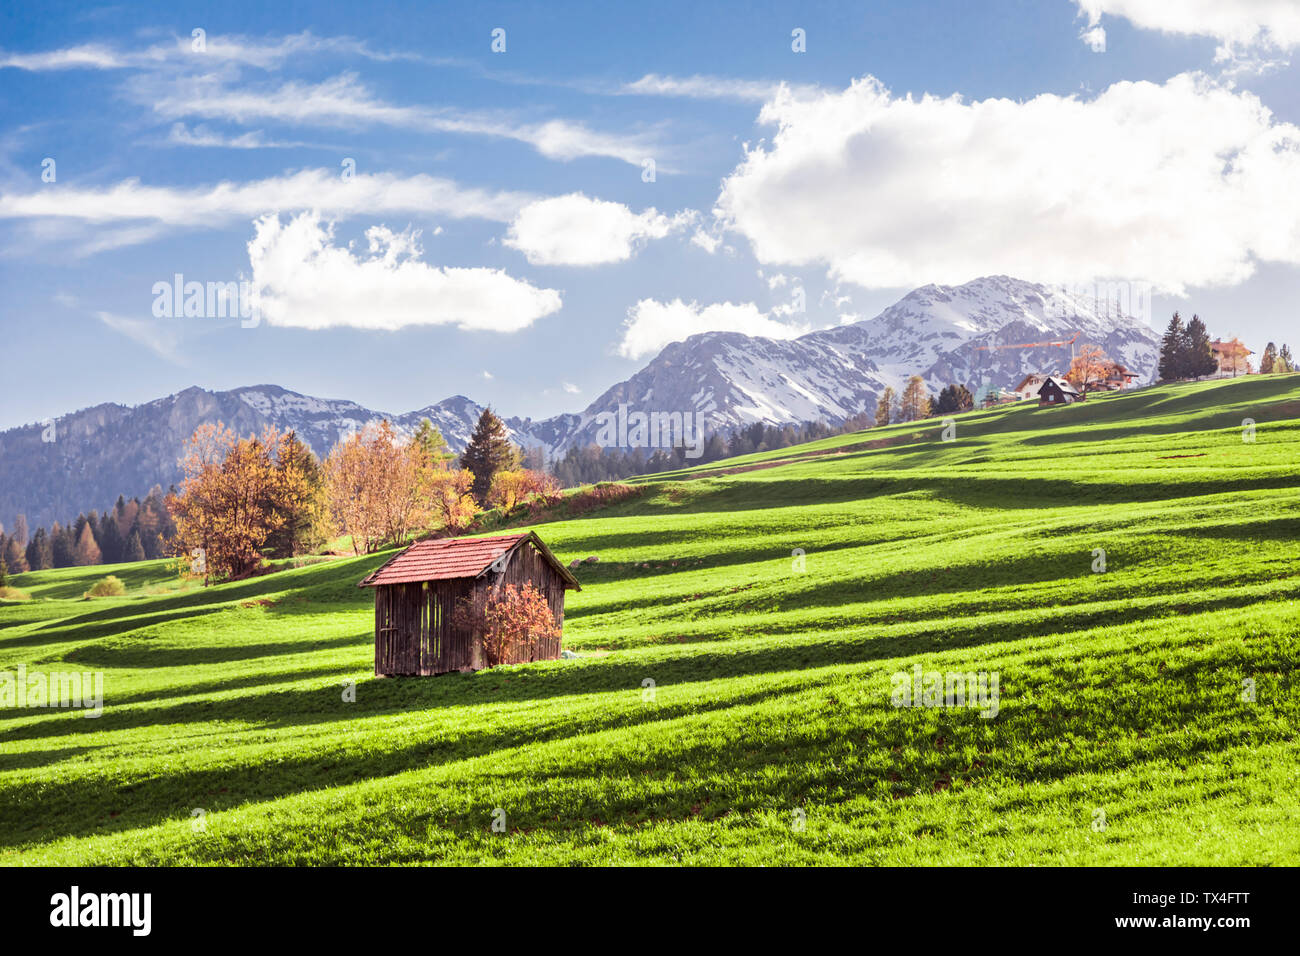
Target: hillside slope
x,y
740,635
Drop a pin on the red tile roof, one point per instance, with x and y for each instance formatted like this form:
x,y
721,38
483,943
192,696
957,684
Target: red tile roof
x,y
446,558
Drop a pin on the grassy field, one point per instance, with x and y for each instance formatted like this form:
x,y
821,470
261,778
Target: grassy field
x,y
1147,714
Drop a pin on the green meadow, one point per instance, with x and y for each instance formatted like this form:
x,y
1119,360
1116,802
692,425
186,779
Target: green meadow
x,y
739,639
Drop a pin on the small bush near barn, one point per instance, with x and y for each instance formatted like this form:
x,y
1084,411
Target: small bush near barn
x,y
507,619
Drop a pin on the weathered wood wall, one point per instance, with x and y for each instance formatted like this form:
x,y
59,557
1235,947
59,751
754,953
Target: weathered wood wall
x,y
414,633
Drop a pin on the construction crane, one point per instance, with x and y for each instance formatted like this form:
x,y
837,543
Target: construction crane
x,y
1033,345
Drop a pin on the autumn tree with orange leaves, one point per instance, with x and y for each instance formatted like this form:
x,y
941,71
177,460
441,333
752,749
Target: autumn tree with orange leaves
x,y
449,491
513,486
236,493
382,490
1089,368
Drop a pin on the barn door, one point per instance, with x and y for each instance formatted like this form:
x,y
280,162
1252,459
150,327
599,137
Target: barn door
x,y
397,630
387,641
433,646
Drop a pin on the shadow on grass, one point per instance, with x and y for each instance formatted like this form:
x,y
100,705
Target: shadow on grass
x,y
146,655
324,584
624,673
98,805
821,751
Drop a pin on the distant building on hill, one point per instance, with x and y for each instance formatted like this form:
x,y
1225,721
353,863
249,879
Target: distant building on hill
x,y
1057,391
1232,356
1000,396
1029,386
1117,378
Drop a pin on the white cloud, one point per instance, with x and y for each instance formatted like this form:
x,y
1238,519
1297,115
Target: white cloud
x,y
1236,24
200,135
890,192
92,56
265,53
571,388
151,208
575,230
338,101
651,324
343,101
707,241
1095,37
158,337
304,280
700,87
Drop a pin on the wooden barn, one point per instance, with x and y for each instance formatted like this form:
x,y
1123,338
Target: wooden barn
x,y
417,592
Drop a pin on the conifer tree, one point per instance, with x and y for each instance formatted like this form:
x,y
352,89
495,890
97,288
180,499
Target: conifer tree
x,y
1268,359
1200,361
954,398
61,545
109,539
14,556
488,452
87,552
429,440
134,550
153,546
1172,349
40,556
914,404
885,407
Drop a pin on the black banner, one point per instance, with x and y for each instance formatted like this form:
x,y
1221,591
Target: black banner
x,y
334,905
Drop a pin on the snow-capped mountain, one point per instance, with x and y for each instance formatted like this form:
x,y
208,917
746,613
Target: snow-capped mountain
x,y
730,378
736,380
321,422
832,374
938,332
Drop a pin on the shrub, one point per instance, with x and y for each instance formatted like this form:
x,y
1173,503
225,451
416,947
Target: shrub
x,y
13,594
109,587
599,496
508,619
510,488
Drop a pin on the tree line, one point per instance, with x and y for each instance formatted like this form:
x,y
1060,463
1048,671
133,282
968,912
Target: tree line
x,y
590,464
132,530
916,403
246,500
1186,353
1275,362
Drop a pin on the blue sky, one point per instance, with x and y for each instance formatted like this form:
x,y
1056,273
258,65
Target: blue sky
x,y
495,235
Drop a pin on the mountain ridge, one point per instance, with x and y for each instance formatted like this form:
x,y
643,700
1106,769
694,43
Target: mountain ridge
x,y
729,378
